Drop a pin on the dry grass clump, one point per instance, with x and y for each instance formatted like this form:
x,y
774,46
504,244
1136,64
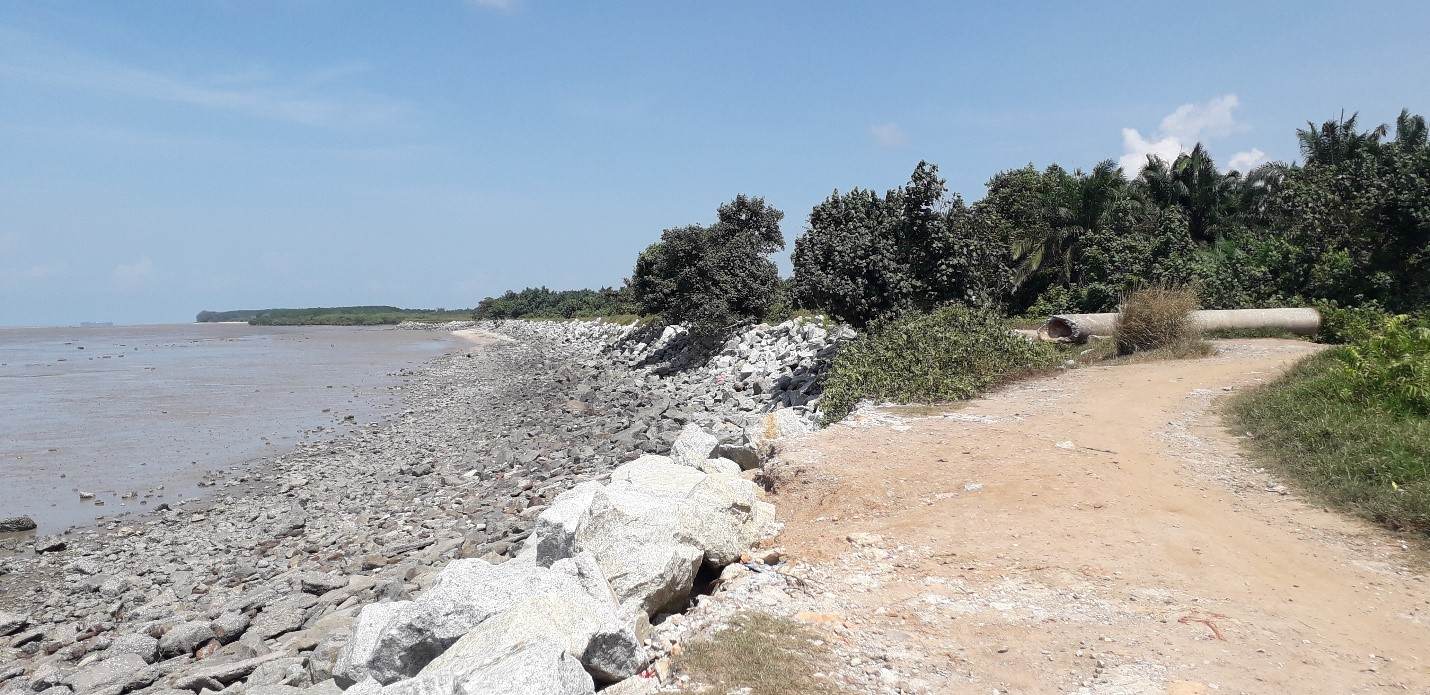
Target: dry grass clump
x,y
759,654
1159,318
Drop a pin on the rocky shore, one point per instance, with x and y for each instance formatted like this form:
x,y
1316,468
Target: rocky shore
x,y
542,501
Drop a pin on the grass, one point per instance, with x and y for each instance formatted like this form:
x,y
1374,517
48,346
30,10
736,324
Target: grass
x,y
1157,318
765,654
1359,456
952,353
1105,353
1226,333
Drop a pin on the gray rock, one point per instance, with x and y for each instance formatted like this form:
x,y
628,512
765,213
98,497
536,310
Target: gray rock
x,y
534,667
393,641
635,685
282,616
46,676
319,583
720,466
222,674
11,623
582,625
272,689
139,644
291,671
367,686
123,673
327,687
185,638
692,446
12,524
652,526
49,544
324,657
229,626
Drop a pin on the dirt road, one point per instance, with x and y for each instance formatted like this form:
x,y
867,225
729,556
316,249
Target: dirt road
x,y
1098,532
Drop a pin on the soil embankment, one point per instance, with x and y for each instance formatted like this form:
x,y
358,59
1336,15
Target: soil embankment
x,y
1096,531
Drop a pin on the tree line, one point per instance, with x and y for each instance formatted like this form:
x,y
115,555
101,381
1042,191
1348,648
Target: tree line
x,y
1349,225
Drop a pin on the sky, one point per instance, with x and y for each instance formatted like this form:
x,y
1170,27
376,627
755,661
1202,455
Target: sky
x,y
159,158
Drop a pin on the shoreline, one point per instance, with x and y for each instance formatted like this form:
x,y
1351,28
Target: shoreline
x,y
484,442
325,415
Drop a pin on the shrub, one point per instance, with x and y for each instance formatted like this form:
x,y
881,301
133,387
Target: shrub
x,y
1340,325
1391,368
951,353
1156,318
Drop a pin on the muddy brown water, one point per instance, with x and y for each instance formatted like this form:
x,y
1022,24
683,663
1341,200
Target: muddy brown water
x,y
118,411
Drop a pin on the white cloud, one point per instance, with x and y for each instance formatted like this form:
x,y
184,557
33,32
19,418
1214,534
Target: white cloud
x,y
253,92
1191,122
889,135
1246,161
128,276
1181,130
1136,148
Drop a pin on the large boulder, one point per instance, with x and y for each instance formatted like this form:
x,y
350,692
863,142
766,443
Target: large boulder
x,y
393,641
12,524
184,638
692,446
583,627
762,435
121,674
11,623
540,667
652,526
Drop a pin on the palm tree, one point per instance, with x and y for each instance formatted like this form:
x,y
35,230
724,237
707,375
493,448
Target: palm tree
x,y
1074,205
1192,183
1410,132
1337,141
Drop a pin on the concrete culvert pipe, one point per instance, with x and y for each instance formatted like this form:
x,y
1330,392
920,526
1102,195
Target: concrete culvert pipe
x,y
1077,328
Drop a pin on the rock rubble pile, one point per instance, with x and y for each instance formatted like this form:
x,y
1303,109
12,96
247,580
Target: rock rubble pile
x,y
539,504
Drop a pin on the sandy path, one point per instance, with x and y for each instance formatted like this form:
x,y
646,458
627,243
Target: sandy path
x,y
1148,558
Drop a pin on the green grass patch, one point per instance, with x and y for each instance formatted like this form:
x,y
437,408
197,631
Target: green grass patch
x,y
1359,451
949,354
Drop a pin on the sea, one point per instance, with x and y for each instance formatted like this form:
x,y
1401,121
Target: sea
x,y
103,421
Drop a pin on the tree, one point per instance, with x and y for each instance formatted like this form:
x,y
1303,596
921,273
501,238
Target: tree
x,y
865,256
713,279
1337,141
1049,214
1356,214
1192,183
848,260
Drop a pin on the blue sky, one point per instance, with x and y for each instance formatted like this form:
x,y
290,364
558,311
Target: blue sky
x,y
158,158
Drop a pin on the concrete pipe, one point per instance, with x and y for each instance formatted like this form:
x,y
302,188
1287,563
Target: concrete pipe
x,y
1077,328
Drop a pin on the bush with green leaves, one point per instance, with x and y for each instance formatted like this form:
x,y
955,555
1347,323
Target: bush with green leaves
x,y
1341,325
713,279
951,353
1391,367
866,256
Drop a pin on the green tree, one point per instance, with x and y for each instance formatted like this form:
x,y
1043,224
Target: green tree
x,y
865,256
715,278
1338,141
